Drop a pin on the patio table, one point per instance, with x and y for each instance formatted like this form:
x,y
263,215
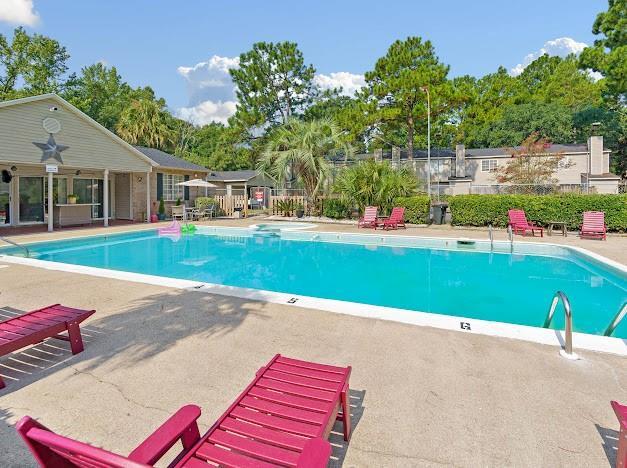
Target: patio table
x,y
557,224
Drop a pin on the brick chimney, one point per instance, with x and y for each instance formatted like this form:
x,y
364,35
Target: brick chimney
x,y
460,161
599,162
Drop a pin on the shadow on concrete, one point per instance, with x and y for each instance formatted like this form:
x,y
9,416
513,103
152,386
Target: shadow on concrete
x,y
340,446
610,443
146,328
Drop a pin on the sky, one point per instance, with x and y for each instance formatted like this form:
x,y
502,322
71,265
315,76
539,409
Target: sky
x,y
183,49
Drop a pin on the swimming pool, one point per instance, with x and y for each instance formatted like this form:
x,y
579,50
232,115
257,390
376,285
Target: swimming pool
x,y
438,276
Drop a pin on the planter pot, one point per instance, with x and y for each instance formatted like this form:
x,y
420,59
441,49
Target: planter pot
x,y
71,200
300,213
161,216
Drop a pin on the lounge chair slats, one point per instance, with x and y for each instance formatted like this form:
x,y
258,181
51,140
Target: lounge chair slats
x,y
299,380
593,225
275,422
312,365
227,458
260,450
369,219
295,389
289,400
278,438
314,374
36,326
283,410
282,419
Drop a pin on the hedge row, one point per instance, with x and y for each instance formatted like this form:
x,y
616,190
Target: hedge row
x,y
416,208
481,210
336,209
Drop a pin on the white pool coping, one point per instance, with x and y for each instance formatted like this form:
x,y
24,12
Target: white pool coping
x,y
458,323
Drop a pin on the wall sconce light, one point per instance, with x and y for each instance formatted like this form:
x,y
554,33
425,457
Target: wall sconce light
x,y
13,168
140,178
78,172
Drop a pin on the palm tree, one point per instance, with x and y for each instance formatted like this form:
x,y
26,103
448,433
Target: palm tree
x,y
300,149
145,122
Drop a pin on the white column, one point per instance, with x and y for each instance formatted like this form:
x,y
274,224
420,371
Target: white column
x,y
147,197
50,203
105,194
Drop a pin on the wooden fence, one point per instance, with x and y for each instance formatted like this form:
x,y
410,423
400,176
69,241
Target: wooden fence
x,y
229,203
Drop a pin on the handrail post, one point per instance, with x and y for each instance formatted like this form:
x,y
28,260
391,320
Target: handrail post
x,y
567,351
620,315
19,246
491,236
510,234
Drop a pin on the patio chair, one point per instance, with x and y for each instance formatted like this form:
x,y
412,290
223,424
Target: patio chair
x,y
395,220
369,219
178,212
593,225
520,225
621,414
35,326
283,417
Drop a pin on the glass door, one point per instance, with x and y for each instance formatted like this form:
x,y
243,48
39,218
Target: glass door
x,y
5,203
31,196
59,192
92,191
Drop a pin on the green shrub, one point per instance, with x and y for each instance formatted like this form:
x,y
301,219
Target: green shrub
x,y
481,210
416,208
161,207
205,202
336,208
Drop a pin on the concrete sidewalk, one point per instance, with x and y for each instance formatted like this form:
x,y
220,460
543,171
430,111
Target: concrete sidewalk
x,y
421,396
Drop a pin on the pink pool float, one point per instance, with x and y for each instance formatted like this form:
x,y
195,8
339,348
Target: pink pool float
x,y
173,229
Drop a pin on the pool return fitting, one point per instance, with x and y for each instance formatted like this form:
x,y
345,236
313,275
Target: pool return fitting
x,y
567,351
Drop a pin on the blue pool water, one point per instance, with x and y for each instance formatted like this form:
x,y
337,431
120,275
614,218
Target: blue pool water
x,y
502,287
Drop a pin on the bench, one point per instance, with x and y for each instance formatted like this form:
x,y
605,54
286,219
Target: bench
x,y
34,327
283,418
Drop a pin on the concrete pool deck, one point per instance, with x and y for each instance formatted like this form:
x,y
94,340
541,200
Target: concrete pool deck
x,y
421,396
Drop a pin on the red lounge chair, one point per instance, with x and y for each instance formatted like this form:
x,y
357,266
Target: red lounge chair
x,y
593,225
36,326
621,414
520,225
369,220
282,418
396,219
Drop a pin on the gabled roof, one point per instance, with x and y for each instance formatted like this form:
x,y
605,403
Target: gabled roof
x,y
554,148
233,176
168,161
81,115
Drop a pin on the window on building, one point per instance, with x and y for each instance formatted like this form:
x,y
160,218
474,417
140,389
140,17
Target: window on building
x,y
488,165
172,191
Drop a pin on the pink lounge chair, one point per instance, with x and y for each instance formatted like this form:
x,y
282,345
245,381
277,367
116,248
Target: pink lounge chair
x,y
520,225
396,219
282,418
621,414
34,327
594,225
172,230
369,219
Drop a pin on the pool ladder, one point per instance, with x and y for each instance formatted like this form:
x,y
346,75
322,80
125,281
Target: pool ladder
x,y
620,315
567,351
491,237
510,236
19,246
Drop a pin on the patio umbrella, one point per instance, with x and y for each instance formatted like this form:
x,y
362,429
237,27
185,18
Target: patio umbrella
x,y
197,183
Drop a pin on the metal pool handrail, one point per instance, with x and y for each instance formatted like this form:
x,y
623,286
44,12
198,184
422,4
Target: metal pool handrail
x,y
510,235
620,315
568,322
19,246
491,237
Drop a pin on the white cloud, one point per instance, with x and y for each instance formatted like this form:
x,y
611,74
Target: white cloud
x,y
18,12
207,112
211,91
210,80
349,82
562,46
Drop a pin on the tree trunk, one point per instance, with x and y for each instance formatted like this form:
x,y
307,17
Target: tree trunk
x,y
410,137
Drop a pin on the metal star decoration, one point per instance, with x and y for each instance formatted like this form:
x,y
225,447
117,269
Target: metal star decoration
x,y
51,150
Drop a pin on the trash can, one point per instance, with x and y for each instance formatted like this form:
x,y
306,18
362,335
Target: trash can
x,y
438,212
